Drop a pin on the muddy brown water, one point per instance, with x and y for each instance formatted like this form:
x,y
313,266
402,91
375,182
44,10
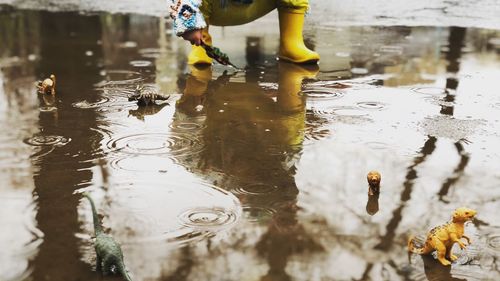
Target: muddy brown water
x,y
256,175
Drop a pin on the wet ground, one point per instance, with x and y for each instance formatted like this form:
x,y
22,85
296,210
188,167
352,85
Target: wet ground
x,y
255,175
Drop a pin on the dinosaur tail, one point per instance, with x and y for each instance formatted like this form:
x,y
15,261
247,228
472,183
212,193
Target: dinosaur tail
x,y
413,249
121,269
97,224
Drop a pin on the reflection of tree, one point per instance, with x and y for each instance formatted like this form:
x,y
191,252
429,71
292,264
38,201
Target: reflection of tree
x,y
59,173
455,44
411,175
19,33
120,30
252,138
285,237
457,172
186,265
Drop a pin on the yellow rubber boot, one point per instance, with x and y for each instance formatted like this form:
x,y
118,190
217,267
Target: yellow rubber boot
x,y
198,56
292,46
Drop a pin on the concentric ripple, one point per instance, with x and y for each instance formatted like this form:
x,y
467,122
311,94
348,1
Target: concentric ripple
x,y
156,143
86,104
258,214
371,105
377,145
322,94
186,126
151,53
119,77
349,111
141,163
256,189
493,242
433,91
49,140
140,63
394,49
48,108
207,217
172,211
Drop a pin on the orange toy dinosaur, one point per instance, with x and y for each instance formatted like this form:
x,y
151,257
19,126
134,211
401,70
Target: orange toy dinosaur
x,y
441,238
47,86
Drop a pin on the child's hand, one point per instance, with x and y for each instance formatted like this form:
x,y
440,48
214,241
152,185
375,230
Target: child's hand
x,y
193,36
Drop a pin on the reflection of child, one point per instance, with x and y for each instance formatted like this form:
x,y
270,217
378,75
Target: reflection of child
x,y
192,18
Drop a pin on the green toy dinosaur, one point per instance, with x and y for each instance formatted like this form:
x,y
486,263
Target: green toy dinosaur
x,y
108,251
217,55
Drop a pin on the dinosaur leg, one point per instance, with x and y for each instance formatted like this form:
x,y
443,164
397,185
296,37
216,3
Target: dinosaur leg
x,y
450,255
455,239
467,238
98,263
441,252
107,266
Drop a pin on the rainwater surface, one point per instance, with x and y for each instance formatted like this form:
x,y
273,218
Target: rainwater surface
x,y
253,175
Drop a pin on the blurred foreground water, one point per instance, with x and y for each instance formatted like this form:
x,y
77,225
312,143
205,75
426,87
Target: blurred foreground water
x,y
256,175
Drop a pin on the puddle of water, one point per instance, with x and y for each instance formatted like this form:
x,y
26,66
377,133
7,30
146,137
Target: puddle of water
x,y
156,144
195,211
267,165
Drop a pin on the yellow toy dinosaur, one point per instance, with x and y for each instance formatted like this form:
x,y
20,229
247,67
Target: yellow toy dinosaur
x,y
441,238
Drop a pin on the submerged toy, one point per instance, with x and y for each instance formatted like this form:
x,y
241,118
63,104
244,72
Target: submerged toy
x,y
47,86
442,238
146,96
108,251
373,178
217,55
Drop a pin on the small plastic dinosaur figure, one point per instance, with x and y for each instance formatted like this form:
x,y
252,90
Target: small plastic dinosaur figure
x,y
146,96
442,238
217,55
108,251
47,86
373,179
